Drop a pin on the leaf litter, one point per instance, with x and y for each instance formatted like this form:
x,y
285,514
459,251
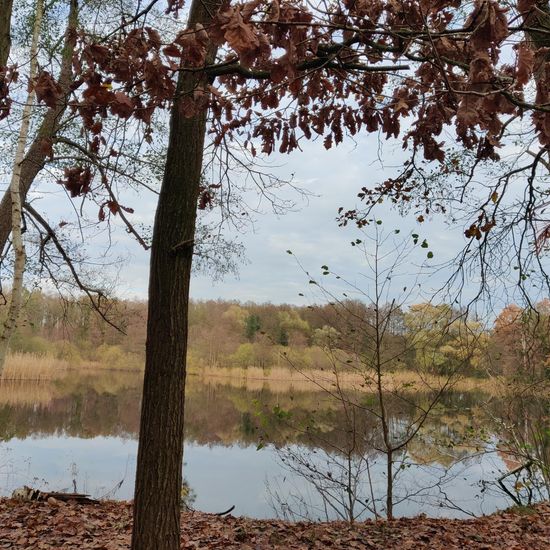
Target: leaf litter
x,y
108,526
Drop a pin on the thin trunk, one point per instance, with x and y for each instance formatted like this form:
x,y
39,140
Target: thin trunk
x,y
350,489
389,485
5,35
384,421
371,489
16,297
160,452
37,153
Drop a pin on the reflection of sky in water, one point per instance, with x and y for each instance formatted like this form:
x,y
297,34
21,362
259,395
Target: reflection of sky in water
x,y
220,476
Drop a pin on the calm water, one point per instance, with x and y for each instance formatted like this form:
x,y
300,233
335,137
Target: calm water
x,y
82,433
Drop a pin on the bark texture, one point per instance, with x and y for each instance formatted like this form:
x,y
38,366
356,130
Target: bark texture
x,y
5,35
36,155
160,452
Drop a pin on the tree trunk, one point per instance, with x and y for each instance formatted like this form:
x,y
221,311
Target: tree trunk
x,y
16,297
389,485
160,452
5,36
37,153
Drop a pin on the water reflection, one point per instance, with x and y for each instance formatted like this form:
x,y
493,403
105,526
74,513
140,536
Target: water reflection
x,y
82,431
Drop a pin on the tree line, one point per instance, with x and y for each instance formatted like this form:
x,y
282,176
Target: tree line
x,y
435,337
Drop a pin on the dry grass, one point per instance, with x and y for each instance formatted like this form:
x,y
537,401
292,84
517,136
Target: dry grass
x,y
281,379
29,366
26,366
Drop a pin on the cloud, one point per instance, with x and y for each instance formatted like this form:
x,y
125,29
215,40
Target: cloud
x,y
332,178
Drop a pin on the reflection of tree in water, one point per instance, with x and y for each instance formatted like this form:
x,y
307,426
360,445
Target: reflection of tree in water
x,y
87,407
344,464
342,457
225,415
81,407
521,422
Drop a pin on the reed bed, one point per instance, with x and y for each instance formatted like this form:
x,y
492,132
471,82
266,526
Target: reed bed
x,y
28,366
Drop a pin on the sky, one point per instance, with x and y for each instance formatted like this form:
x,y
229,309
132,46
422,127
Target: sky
x,y
310,230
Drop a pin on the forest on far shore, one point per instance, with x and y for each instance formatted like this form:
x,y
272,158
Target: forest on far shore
x,y
237,335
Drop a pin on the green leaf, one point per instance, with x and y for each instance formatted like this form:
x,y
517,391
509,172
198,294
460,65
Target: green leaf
x,y
424,244
324,267
260,446
289,251
430,254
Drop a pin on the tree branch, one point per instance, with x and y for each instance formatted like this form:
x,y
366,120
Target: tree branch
x,y
89,291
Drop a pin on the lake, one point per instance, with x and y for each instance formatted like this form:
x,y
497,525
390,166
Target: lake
x,y
248,447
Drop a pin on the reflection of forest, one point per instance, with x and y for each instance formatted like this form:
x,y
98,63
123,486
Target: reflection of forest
x,y
78,407
108,405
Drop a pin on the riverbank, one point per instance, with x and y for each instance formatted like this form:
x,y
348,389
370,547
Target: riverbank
x,y
108,526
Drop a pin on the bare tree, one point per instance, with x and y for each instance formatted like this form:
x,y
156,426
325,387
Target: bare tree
x,y
398,393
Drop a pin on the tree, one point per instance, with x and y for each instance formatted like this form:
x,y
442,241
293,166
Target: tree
x,y
283,72
252,326
443,337
160,451
282,337
520,342
16,295
53,137
39,150
5,34
380,416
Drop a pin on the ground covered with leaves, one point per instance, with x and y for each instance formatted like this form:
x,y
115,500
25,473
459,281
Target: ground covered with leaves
x,y
107,526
